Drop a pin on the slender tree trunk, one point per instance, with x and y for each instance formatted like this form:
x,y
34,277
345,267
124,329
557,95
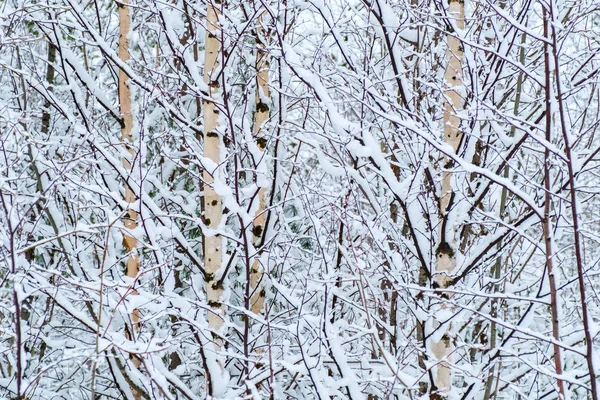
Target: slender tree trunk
x,y
261,115
550,24
445,257
130,220
213,209
129,241
50,79
188,39
497,269
546,223
388,307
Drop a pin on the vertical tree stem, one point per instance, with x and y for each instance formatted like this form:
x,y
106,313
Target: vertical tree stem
x,y
262,114
549,22
130,219
546,223
212,204
445,258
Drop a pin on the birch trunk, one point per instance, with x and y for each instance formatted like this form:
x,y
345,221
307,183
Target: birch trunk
x,y
213,209
261,115
130,219
445,258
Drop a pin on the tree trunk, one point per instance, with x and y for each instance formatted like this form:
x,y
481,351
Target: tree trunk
x,y
130,219
550,22
261,115
213,209
445,257
547,223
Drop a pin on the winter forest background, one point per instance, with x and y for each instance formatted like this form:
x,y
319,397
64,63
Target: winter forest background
x,y
301,199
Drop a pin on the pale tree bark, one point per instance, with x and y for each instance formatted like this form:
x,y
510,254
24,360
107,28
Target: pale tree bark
x,y
445,257
212,204
261,115
131,216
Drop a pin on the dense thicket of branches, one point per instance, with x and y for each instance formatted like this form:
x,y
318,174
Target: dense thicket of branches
x,y
393,176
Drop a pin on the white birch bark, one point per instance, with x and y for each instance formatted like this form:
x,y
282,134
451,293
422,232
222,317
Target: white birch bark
x,y
213,209
131,216
261,115
445,258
